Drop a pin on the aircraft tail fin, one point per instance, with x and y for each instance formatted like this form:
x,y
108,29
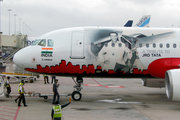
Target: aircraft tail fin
x,y
144,21
129,23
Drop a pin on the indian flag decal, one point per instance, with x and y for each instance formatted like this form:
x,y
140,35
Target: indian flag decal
x,y
47,52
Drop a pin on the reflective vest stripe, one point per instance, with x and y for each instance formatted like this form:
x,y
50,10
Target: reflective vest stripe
x,y
7,84
19,87
57,111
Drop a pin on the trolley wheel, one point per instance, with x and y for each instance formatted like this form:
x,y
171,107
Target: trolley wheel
x,y
76,96
45,97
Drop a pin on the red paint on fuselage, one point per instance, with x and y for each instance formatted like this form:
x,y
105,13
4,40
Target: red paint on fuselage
x,y
159,67
75,69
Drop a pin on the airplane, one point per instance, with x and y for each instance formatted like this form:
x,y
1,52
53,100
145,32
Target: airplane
x,y
129,23
114,52
143,22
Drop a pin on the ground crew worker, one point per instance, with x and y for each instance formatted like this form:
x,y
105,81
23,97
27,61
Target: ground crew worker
x,y
53,79
56,112
8,87
21,93
55,91
20,84
46,78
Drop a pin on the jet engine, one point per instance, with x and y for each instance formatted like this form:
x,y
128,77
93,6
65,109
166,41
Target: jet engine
x,y
172,84
153,82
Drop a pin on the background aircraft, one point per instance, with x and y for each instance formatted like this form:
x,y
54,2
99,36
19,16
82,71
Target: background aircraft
x,y
143,22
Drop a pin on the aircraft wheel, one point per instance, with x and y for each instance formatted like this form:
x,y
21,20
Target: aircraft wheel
x,y
76,96
45,97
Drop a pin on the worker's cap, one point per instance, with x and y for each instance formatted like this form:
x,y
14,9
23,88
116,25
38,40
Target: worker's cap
x,y
56,80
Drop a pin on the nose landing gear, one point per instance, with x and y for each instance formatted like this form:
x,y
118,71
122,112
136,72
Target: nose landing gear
x,y
76,95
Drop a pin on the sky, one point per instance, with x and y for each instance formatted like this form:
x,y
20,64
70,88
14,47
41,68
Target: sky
x,y
37,17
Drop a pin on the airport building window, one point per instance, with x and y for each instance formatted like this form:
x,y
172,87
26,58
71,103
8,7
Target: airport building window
x,y
174,45
140,44
42,42
160,45
50,43
147,45
154,45
167,45
35,42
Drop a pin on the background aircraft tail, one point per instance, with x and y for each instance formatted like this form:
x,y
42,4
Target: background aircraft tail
x,y
144,21
129,23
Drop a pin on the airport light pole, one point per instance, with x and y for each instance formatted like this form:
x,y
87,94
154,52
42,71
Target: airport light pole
x,y
23,28
15,23
19,25
0,14
9,20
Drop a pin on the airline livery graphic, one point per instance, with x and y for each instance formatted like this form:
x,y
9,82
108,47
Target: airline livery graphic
x,y
114,52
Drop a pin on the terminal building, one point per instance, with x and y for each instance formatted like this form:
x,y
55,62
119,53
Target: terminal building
x,y
9,45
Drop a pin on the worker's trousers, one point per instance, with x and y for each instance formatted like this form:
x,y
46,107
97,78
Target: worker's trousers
x,y
24,101
54,98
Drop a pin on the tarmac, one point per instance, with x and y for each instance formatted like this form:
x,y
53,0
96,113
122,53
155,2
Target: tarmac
x,y
102,99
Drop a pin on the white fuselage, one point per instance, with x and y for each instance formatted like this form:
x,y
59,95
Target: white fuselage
x,y
90,51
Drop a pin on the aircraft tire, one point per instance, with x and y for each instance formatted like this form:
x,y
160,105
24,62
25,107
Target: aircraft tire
x,y
45,97
76,96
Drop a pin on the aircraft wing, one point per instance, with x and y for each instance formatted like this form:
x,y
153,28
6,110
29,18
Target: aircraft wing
x,y
154,38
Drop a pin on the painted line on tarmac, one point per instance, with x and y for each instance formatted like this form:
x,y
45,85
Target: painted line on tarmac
x,y
96,81
93,85
6,115
16,113
3,119
7,111
7,108
114,86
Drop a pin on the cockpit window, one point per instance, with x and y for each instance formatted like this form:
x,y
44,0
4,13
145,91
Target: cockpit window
x,y
35,42
50,43
42,42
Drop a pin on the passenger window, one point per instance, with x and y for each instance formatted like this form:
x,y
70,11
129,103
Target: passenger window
x,y
106,44
160,45
154,45
174,45
120,44
167,45
42,42
50,43
112,44
99,44
147,45
140,44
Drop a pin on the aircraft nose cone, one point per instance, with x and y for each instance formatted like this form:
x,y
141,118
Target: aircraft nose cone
x,y
19,59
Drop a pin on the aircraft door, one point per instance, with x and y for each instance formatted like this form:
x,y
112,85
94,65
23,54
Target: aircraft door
x,y
77,45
